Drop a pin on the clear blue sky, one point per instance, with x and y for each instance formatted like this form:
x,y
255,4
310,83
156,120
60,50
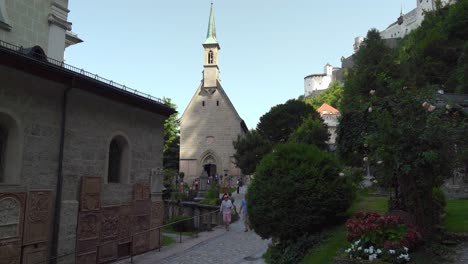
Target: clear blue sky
x,y
267,47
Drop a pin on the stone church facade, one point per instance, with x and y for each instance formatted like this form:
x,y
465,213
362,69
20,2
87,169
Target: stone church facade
x,y
210,123
80,156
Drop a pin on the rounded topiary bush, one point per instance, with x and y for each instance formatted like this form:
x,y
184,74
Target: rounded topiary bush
x,y
296,189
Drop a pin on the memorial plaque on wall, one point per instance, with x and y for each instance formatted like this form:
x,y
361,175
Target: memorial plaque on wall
x,y
125,223
90,195
86,258
109,223
157,214
33,254
108,252
89,225
38,217
141,242
141,191
12,206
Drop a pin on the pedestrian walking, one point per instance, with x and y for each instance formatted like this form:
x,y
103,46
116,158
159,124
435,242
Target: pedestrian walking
x,y
245,216
226,210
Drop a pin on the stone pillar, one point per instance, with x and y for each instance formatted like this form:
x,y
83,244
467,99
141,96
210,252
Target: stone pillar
x,y
58,26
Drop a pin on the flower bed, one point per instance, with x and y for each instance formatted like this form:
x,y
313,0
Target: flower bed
x,y
376,237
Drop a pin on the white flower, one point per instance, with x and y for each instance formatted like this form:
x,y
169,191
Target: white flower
x,y
365,159
341,174
372,257
405,87
372,92
379,162
348,250
440,91
378,251
448,106
359,248
405,248
357,242
391,251
365,145
366,250
375,181
431,108
369,109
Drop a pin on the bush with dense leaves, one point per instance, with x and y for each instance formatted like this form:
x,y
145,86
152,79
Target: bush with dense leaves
x,y
296,189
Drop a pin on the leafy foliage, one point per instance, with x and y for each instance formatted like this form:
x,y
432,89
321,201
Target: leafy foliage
x,y
250,149
332,96
171,139
311,132
312,193
291,251
283,119
392,117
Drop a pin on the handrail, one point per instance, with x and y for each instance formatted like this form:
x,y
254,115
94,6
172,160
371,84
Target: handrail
x,y
131,239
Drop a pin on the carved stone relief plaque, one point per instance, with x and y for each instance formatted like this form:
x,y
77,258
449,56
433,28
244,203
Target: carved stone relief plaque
x,y
141,223
33,254
86,258
89,224
108,252
109,223
90,198
125,223
38,217
140,242
10,252
141,191
11,215
157,214
142,207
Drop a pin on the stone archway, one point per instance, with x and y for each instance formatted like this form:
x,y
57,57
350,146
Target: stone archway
x,y
209,165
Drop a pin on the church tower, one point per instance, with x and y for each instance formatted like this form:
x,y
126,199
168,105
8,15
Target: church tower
x,y
211,45
210,123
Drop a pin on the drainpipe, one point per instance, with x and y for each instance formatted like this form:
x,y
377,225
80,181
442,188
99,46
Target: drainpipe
x,y
59,186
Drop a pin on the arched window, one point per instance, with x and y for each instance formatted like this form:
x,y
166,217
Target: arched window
x,y
3,143
4,17
118,160
210,57
10,149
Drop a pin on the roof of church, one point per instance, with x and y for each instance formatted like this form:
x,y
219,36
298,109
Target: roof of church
x,y
327,109
211,33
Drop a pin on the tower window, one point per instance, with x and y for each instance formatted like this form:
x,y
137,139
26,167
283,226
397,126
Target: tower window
x,y
210,57
117,170
203,103
217,103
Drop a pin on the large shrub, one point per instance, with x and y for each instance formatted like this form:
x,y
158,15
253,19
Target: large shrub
x,y
297,189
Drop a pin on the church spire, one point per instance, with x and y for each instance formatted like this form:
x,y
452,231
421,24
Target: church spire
x,y
211,46
211,34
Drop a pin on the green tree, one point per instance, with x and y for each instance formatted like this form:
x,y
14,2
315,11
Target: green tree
x,y
296,190
311,132
332,96
171,139
250,149
283,119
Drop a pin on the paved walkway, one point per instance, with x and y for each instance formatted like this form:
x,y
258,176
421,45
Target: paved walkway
x,y
218,246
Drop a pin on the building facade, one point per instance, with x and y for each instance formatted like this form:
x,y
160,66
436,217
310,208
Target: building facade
x,y
330,116
405,23
80,156
210,123
44,23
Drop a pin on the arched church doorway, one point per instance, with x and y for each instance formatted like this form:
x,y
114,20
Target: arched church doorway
x,y
210,169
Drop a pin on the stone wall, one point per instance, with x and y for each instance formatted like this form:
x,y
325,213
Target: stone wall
x,y
29,23
91,122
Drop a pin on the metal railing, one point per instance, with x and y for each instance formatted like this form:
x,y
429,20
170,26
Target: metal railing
x,y
22,51
132,254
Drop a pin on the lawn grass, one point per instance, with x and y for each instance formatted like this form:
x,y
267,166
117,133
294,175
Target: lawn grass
x,y
336,237
456,219
167,240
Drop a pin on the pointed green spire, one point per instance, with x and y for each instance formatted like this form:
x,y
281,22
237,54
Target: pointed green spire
x,y
211,34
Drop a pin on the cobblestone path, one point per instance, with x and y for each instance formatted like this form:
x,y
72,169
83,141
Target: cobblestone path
x,y
218,247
